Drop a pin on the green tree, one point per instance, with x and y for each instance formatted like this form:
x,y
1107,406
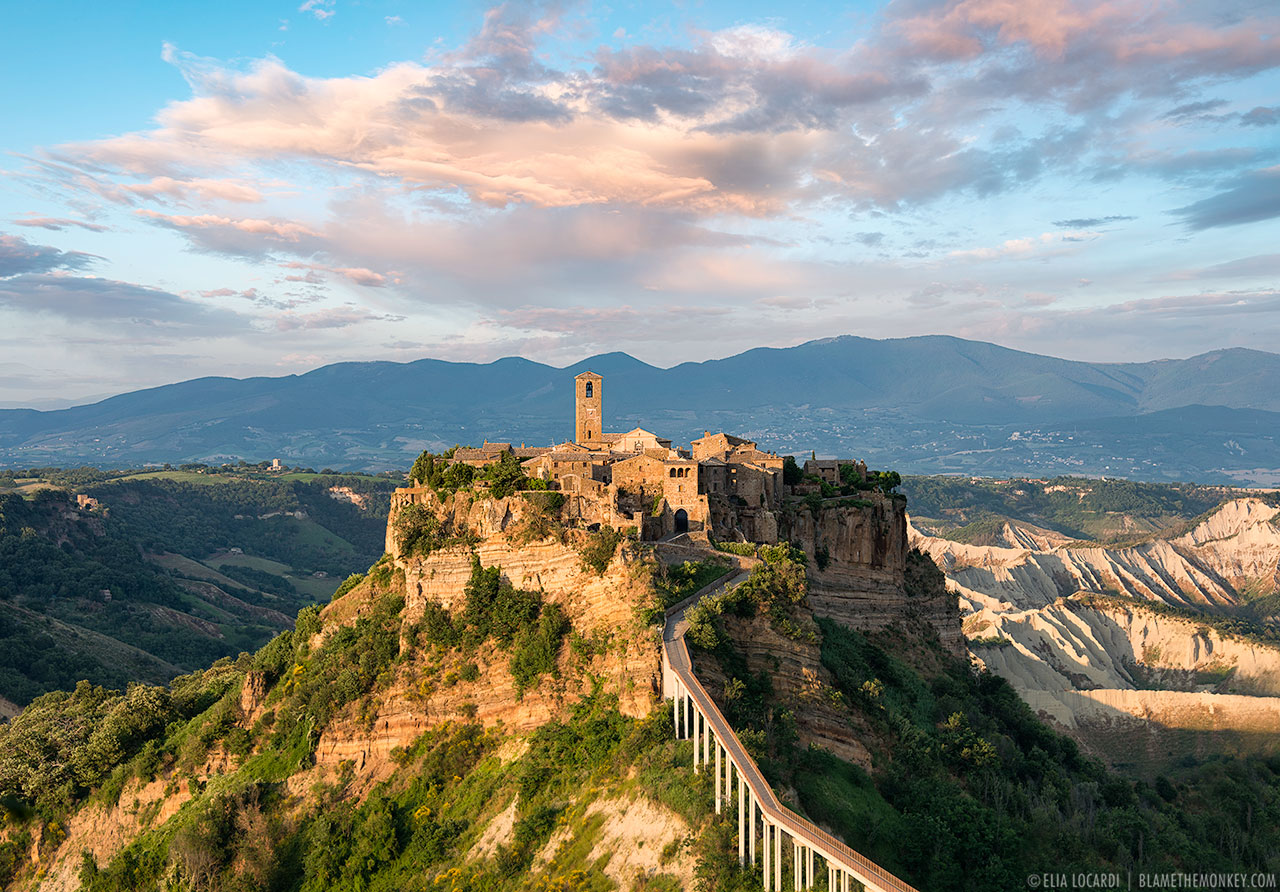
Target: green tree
x,y
791,473
423,468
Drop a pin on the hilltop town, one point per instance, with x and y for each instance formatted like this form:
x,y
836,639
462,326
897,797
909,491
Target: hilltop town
x,y
721,486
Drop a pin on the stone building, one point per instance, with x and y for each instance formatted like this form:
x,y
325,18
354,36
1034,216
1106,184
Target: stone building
x,y
588,405
640,474
828,470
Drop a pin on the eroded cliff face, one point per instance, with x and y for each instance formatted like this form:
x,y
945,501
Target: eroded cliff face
x,y
869,580
1041,611
624,658
800,683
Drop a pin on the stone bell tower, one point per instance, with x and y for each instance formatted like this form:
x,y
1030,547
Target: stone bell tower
x,y
588,407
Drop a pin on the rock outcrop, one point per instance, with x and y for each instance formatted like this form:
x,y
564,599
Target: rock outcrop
x,y
861,572
1066,625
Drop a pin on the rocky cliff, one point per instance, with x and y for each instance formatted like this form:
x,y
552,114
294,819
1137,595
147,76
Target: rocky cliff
x,y
1068,624
861,570
341,707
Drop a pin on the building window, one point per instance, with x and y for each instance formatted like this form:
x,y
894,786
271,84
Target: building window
x,y
673,472
590,390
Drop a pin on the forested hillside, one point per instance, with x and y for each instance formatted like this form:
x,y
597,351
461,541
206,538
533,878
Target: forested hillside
x,y
167,571
227,780
1106,510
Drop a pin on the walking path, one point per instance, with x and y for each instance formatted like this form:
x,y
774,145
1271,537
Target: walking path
x,y
760,814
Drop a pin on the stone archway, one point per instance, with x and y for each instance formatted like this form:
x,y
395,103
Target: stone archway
x,y
682,521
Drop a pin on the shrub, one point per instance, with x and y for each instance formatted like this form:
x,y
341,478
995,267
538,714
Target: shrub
x,y
415,529
599,548
505,476
436,627
494,607
538,648
348,584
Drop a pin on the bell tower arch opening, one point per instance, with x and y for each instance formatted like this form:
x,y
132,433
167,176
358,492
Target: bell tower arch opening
x,y
588,407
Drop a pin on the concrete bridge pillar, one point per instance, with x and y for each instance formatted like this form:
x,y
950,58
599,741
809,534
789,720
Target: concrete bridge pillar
x,y
699,728
777,858
751,824
718,774
764,836
742,821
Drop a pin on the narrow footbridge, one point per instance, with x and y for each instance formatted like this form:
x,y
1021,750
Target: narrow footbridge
x,y
761,817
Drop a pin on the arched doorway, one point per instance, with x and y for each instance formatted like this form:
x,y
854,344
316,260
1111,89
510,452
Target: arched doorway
x,y
682,521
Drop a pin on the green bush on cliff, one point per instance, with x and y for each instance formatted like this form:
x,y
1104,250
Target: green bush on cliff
x,y
350,662
505,476
538,647
774,587
516,619
599,548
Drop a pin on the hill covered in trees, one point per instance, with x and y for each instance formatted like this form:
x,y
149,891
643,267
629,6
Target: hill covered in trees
x,y
166,571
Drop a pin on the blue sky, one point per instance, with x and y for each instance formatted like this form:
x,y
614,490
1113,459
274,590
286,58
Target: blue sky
x,y
262,188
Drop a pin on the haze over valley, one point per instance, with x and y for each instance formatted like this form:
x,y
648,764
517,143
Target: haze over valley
x,y
920,405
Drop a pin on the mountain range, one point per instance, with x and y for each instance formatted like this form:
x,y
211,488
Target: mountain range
x,y
924,404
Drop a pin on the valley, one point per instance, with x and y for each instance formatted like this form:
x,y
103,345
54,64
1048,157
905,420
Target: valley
x,y
118,577
1156,641
482,710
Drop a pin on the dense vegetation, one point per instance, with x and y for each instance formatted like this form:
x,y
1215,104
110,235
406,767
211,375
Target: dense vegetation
x,y
413,832
198,519
1108,510
774,589
82,597
516,620
970,791
501,478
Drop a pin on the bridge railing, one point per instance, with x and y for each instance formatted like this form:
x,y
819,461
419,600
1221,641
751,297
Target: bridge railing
x,y
681,682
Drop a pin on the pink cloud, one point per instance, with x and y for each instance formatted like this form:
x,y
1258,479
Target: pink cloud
x,y
58,223
331,317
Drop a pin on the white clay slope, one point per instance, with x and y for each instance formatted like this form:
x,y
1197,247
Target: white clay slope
x,y
1026,605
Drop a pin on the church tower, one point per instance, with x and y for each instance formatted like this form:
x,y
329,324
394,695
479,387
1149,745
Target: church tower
x,y
588,407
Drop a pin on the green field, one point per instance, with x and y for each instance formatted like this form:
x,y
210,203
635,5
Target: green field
x,y
320,589
182,477
222,559
193,569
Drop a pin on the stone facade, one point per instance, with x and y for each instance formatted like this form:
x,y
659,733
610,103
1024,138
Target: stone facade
x,y
723,485
828,470
588,403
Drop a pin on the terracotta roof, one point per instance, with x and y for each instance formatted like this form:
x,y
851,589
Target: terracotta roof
x,y
732,440
563,457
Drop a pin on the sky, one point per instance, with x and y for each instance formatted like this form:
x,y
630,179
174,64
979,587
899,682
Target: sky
x,y
262,188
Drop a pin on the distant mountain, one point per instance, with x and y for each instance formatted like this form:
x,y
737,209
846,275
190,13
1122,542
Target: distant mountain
x,y
889,399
